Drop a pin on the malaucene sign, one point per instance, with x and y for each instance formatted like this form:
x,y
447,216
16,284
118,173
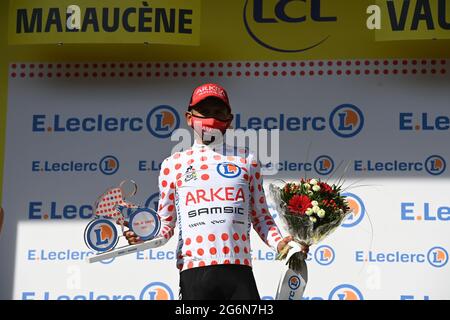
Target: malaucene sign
x,y
81,21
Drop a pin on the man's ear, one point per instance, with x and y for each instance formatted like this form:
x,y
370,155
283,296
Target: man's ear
x,y
230,124
188,117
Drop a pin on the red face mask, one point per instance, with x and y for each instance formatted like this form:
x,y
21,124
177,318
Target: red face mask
x,y
206,124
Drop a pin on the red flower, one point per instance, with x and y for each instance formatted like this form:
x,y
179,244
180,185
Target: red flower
x,y
330,203
299,204
325,187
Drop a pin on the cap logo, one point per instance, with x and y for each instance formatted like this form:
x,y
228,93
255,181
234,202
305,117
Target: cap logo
x,y
210,89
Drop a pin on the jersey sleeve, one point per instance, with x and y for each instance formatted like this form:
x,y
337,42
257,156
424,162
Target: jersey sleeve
x,y
166,204
262,221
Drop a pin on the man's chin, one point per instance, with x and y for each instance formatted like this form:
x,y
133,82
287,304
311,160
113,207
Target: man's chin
x,y
213,139
212,136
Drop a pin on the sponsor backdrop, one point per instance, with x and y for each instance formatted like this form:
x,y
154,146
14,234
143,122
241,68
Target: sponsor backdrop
x,y
379,119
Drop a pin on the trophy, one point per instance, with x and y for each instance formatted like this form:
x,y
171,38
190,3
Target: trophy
x,y
102,233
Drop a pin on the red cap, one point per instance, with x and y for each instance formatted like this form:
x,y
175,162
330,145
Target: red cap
x,y
209,90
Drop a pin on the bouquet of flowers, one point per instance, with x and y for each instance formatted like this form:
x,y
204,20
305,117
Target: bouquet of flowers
x,y
311,210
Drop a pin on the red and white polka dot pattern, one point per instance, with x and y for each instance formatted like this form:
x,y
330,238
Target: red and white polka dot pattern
x,y
229,69
107,205
208,193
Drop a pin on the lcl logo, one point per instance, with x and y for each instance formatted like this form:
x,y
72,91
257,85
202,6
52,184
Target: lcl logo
x,y
283,17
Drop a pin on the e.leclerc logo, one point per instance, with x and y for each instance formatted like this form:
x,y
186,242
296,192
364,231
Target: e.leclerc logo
x,y
358,210
423,122
322,165
55,210
47,255
285,25
294,282
344,121
324,255
101,235
412,211
160,122
107,165
436,257
434,165
156,291
345,292
228,169
340,292
153,291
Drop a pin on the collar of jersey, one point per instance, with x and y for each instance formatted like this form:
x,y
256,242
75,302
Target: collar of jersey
x,y
209,146
219,147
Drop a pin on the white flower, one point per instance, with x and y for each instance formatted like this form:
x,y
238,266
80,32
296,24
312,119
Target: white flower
x,y
307,186
315,209
310,193
321,213
341,211
313,182
313,219
316,188
309,212
314,203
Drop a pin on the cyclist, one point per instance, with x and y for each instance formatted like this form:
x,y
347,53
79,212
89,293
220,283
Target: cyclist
x,y
214,193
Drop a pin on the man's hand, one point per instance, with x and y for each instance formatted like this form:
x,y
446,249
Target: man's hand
x,y
283,243
131,236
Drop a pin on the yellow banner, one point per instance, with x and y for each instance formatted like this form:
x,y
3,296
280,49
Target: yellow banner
x,y
413,20
114,21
